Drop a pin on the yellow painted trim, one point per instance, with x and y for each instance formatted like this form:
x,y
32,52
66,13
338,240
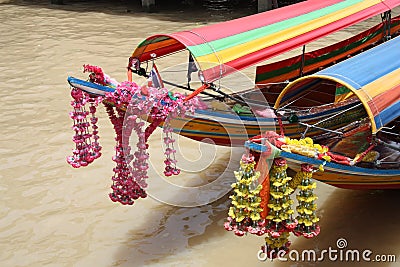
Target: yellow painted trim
x,y
382,84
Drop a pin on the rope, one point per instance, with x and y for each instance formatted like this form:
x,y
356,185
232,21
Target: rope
x,y
357,160
196,92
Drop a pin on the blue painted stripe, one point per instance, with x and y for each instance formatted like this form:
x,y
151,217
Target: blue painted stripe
x,y
89,84
387,115
255,147
368,66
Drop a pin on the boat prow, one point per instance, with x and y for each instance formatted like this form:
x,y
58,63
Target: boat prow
x,y
89,87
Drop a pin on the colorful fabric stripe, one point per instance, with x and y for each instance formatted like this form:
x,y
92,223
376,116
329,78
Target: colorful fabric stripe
x,y
342,93
373,76
230,46
288,69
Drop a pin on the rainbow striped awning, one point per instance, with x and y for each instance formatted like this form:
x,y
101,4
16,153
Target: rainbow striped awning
x,y
373,76
226,47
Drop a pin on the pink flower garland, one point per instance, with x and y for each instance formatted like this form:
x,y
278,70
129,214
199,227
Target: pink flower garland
x,y
87,148
127,107
125,188
98,76
139,102
247,226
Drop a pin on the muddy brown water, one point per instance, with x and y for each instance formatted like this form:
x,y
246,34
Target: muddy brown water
x,y
54,215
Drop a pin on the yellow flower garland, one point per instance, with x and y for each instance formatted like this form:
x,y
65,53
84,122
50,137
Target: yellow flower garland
x,y
307,218
280,212
245,211
306,147
245,199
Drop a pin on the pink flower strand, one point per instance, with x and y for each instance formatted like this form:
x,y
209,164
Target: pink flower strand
x,y
87,147
126,108
125,188
98,76
160,107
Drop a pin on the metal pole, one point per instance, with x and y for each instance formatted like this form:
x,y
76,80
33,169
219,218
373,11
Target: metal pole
x,y
302,61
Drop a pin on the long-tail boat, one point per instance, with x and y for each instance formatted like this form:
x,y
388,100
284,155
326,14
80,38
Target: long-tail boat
x,y
346,116
365,153
223,49
218,51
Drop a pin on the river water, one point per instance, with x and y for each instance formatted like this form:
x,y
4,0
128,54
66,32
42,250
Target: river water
x,y
54,215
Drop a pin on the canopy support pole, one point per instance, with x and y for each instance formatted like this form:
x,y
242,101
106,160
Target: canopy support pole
x,y
386,21
142,72
302,61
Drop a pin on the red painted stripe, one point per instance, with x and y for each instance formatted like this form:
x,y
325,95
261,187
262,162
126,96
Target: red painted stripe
x,y
384,100
391,3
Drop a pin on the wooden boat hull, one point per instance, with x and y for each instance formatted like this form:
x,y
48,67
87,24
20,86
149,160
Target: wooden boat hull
x,y
233,130
367,156
350,177
230,129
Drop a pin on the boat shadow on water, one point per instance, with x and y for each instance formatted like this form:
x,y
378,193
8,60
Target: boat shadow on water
x,y
363,219
168,237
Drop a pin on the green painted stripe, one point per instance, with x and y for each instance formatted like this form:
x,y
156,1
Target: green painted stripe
x,y
241,38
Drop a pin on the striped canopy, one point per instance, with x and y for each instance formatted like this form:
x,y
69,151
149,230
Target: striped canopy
x,y
373,76
226,47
